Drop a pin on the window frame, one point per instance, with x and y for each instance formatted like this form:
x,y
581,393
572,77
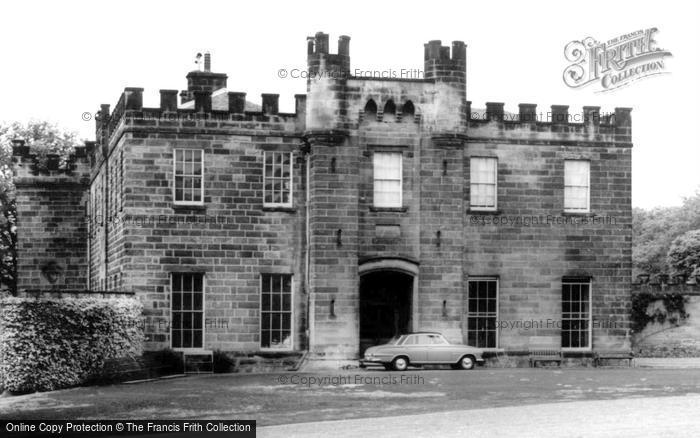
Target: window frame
x,y
589,283
472,184
588,187
291,312
201,197
289,204
399,204
497,332
204,325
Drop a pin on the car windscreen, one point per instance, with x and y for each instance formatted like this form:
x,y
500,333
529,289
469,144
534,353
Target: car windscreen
x,y
395,340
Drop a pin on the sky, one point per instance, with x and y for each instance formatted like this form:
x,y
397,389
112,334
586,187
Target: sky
x,y
61,59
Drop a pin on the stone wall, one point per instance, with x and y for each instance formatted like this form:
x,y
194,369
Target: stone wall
x,y
675,337
51,226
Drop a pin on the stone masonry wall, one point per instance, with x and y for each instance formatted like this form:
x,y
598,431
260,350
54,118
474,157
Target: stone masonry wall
x,y
51,237
531,258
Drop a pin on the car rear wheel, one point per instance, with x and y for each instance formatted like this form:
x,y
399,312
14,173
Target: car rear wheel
x,y
400,363
466,363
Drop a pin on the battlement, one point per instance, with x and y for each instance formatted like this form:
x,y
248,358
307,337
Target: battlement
x,y
30,164
320,59
444,66
435,51
557,120
222,106
318,44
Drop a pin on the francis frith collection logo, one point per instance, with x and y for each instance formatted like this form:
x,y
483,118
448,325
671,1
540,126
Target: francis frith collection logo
x,y
616,62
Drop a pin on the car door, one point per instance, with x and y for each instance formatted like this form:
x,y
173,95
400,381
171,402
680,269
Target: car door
x,y
440,350
416,349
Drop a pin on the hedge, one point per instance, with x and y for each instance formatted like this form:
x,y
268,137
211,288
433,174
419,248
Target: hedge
x,y
47,344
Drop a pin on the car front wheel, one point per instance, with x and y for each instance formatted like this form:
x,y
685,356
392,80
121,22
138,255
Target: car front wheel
x,y
466,363
400,364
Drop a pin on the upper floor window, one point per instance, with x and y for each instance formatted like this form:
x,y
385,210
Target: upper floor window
x,y
188,186
577,186
277,175
387,179
483,183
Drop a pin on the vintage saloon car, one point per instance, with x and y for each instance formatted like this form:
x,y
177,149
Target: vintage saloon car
x,y
425,348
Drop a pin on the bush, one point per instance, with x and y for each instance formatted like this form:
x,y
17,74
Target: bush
x,y
674,309
223,363
167,360
47,344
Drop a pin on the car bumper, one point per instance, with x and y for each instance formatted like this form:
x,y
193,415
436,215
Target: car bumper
x,y
372,361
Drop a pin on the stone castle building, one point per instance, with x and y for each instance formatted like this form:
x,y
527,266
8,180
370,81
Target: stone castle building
x,y
379,206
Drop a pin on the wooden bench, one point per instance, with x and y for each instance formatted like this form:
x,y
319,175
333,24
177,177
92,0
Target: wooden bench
x,y
600,356
545,355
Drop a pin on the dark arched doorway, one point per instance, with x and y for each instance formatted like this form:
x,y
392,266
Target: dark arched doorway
x,y
385,306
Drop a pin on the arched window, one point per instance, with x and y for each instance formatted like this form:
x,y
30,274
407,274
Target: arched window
x,y
389,111
371,110
408,111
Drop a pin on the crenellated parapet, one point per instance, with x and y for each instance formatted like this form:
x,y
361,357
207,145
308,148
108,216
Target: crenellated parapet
x,y
30,167
553,124
443,65
323,63
208,113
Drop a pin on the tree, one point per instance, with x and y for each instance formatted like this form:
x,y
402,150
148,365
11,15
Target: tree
x,y
43,138
684,254
654,231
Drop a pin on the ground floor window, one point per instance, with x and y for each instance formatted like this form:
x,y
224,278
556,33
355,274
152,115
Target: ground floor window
x,y
576,314
276,311
482,312
187,310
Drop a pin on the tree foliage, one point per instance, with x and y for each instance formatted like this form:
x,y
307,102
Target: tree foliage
x,y
684,254
655,230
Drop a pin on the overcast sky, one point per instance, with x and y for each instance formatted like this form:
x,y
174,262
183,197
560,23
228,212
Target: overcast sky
x,y
61,59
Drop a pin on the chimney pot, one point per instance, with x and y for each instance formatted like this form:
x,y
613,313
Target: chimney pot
x,y
207,61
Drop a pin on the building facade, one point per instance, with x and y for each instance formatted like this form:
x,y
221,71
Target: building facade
x,y
380,206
